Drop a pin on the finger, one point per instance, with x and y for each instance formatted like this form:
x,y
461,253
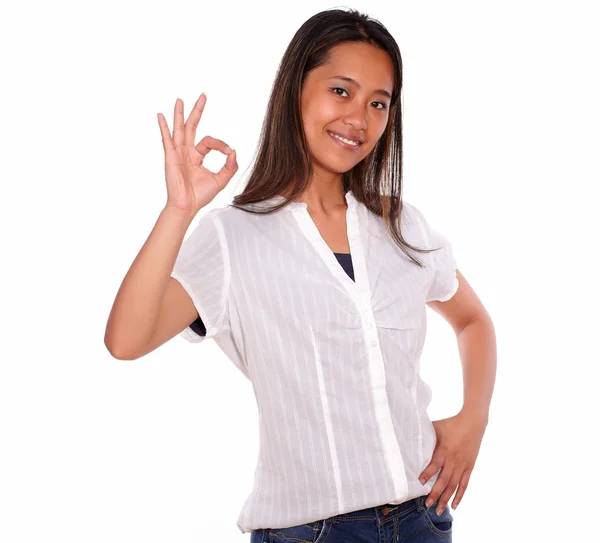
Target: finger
x,y
429,472
207,144
178,133
437,461
461,488
165,133
228,170
448,491
440,484
193,120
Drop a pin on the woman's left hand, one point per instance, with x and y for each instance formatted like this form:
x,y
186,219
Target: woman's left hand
x,y
458,442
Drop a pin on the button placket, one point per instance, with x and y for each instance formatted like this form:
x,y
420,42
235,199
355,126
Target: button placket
x,y
368,321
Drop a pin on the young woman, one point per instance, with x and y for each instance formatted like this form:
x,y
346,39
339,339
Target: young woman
x,y
309,284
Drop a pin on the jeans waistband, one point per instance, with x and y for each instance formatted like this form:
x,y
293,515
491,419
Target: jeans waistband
x,y
385,511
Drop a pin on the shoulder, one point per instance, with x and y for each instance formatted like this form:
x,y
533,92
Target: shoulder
x,y
209,225
239,227
411,224
209,215
409,212
218,216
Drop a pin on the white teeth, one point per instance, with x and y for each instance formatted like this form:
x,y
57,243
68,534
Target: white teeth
x,y
355,143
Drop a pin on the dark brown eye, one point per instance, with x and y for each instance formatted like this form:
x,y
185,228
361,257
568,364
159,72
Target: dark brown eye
x,y
383,105
339,88
335,89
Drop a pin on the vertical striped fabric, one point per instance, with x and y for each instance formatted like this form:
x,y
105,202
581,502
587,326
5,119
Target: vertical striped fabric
x,y
334,363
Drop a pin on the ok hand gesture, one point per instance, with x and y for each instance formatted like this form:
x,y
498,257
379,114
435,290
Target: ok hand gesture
x,y
190,186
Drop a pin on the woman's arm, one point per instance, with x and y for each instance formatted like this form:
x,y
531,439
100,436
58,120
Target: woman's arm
x,y
135,312
476,344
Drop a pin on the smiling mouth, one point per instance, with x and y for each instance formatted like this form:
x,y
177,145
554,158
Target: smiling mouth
x,y
345,145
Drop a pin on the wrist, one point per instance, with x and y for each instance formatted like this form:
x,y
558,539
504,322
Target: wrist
x,y
475,413
177,214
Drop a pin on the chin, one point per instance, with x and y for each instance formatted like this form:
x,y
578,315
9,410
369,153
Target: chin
x,y
338,164
338,167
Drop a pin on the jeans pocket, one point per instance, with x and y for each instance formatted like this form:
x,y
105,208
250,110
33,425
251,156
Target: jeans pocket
x,y
438,524
303,533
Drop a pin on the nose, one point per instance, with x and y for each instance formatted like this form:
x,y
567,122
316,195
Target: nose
x,y
356,116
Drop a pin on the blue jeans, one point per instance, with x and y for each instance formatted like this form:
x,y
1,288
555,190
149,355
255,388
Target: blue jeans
x,y
408,522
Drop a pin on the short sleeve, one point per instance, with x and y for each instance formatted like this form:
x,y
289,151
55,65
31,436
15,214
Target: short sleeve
x,y
202,269
443,283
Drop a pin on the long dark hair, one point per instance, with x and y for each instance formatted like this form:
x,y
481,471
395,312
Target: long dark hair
x,y
283,161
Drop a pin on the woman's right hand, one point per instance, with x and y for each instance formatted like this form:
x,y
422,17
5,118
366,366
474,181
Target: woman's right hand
x,y
190,186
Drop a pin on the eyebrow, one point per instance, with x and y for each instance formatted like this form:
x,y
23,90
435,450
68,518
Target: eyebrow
x,y
354,82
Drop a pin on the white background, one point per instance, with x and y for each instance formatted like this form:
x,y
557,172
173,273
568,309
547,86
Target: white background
x,y
501,155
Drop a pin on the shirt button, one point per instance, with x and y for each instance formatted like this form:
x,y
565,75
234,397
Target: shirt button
x,y
374,343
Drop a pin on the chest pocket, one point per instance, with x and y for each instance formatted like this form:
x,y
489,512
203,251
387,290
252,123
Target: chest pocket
x,y
398,290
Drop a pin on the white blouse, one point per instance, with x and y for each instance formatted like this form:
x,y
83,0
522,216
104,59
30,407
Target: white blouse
x,y
334,363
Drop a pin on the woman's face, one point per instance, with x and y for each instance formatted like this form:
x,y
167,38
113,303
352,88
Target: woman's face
x,y
357,110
